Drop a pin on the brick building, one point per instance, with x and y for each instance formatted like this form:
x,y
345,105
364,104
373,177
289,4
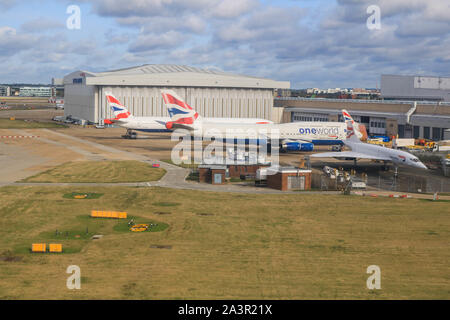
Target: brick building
x,y
214,174
289,178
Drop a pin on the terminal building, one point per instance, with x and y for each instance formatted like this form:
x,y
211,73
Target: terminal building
x,y
211,93
411,107
408,119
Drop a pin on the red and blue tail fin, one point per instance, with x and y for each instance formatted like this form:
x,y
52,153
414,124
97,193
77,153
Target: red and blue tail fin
x,y
347,116
118,109
360,129
351,134
180,112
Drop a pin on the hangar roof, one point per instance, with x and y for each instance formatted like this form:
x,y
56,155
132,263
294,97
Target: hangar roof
x,y
174,75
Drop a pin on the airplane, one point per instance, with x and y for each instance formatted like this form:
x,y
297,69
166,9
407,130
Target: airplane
x,y
361,150
294,136
125,119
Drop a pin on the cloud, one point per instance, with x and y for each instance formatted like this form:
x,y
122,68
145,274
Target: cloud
x,y
148,42
41,25
310,43
232,8
146,8
13,43
263,25
7,4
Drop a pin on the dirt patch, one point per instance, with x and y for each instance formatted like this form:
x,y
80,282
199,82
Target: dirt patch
x,y
166,204
8,256
162,213
205,214
158,246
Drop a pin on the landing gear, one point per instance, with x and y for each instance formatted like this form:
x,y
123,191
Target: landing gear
x,y
394,181
130,134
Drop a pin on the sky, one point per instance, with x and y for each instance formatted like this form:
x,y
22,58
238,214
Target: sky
x,y
311,43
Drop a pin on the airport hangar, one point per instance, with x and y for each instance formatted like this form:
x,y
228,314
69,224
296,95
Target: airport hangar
x,y
412,107
211,93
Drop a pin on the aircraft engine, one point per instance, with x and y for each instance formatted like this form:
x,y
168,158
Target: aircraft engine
x,y
298,146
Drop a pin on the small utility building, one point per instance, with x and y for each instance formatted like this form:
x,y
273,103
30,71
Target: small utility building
x,y
288,178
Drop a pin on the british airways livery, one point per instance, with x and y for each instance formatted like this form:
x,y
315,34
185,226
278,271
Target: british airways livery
x,y
361,150
295,136
180,113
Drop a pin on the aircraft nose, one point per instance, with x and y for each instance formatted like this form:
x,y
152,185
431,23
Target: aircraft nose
x,y
421,165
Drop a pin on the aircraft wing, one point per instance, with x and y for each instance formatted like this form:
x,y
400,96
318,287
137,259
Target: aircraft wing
x,y
348,154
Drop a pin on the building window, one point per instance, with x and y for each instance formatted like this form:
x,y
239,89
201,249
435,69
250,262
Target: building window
x,y
401,131
416,132
426,132
365,119
436,133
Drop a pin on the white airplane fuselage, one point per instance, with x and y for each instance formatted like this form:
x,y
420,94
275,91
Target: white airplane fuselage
x,y
158,124
398,157
326,133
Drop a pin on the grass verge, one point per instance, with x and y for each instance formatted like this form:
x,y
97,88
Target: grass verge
x,y
99,172
223,245
23,124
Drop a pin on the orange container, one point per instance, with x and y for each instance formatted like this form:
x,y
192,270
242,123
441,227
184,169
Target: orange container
x,y
55,247
108,214
38,247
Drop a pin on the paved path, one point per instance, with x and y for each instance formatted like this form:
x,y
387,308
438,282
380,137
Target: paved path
x,y
93,144
15,163
175,176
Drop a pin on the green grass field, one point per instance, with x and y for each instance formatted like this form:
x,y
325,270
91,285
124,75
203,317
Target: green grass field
x,y
21,124
221,245
100,172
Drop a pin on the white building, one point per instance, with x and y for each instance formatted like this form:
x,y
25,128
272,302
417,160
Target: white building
x,y
415,88
35,91
212,93
5,91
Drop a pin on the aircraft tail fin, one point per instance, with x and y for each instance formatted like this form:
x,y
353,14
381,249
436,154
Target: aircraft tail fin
x,y
347,116
351,136
360,129
181,113
118,109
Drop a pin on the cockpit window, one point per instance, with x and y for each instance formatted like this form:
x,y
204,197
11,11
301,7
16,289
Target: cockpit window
x,y
414,159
